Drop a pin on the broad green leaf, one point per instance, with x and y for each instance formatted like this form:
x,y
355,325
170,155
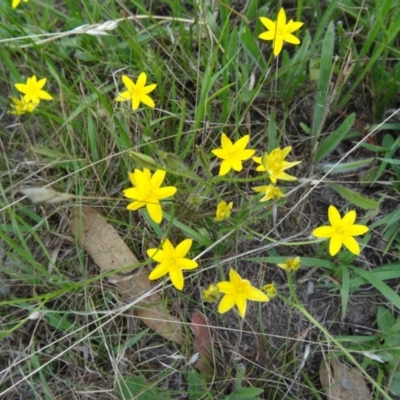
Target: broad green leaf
x,y
334,138
394,386
384,319
196,385
354,197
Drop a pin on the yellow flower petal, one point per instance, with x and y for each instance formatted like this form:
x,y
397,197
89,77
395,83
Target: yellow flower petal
x,y
227,302
351,244
155,212
335,244
183,248
323,232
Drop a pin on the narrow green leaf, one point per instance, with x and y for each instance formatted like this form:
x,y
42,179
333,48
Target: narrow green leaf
x,y
247,392
346,167
272,132
386,291
354,197
334,138
323,83
390,161
345,290
247,38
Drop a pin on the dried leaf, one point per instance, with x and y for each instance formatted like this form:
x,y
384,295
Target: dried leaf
x,y
202,344
110,252
342,383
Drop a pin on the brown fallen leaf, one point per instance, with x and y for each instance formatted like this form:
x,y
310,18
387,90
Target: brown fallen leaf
x,y
203,344
110,252
342,383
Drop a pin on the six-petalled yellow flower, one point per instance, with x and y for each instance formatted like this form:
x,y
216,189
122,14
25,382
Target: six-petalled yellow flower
x,y
211,294
275,165
270,290
236,292
147,191
223,210
137,92
271,192
341,231
33,90
232,154
291,264
279,31
21,107
172,261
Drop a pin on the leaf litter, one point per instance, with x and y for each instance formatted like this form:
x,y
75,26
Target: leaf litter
x,y
109,251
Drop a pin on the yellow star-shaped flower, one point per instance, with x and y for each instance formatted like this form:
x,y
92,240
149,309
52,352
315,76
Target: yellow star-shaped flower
x,y
211,294
32,90
233,154
341,231
21,106
270,290
172,261
223,210
236,292
291,264
275,164
147,192
137,92
279,31
271,192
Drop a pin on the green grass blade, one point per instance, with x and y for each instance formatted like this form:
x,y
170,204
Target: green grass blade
x,y
334,138
320,110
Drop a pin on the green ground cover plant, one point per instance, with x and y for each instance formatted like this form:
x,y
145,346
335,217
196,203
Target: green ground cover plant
x,y
199,199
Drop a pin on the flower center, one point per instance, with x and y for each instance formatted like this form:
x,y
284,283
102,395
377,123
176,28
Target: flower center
x,y
240,289
339,231
233,154
172,263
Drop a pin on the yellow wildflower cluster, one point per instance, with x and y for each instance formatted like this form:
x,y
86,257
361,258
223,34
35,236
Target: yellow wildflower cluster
x,y
147,190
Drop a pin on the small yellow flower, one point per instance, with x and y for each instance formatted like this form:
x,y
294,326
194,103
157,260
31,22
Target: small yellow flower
x,y
291,264
271,192
21,106
236,292
15,3
137,92
270,290
172,261
147,192
233,154
275,164
223,210
212,294
341,231
279,31
32,90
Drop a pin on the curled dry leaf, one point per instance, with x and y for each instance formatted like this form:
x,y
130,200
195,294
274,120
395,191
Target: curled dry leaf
x,y
109,252
342,383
